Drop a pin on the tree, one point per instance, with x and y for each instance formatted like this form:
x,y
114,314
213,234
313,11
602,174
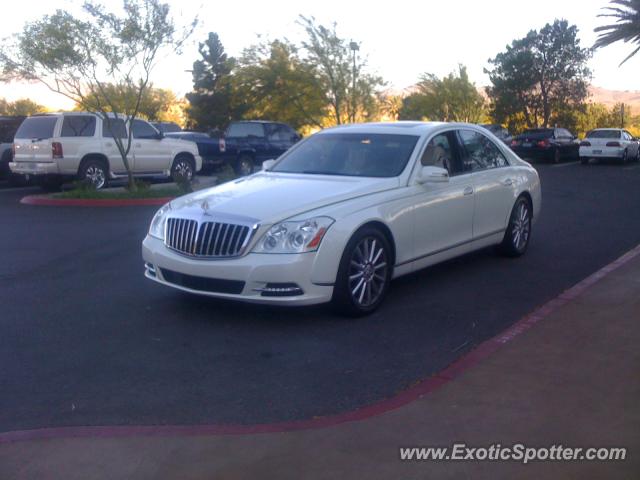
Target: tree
x,y
23,107
349,100
156,104
451,99
542,73
276,84
626,27
78,57
211,101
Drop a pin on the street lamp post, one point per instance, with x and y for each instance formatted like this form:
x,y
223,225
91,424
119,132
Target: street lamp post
x,y
354,48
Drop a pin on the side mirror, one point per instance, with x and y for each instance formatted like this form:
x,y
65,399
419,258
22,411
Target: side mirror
x,y
159,136
267,164
433,175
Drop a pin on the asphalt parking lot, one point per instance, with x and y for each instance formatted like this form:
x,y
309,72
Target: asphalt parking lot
x,y
85,339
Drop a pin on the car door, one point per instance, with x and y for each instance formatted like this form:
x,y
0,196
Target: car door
x,y
76,136
493,183
151,155
633,144
115,128
443,211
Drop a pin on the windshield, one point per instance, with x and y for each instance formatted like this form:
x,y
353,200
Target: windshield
x,y
37,127
604,134
351,154
538,131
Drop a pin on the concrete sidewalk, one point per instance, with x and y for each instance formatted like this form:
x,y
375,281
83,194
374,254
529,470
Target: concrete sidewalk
x,y
572,379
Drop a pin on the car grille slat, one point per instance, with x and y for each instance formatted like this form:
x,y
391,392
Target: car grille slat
x,y
206,239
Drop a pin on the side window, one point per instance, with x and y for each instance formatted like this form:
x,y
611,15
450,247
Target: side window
x,y
78,126
142,129
246,129
564,133
480,153
441,152
116,126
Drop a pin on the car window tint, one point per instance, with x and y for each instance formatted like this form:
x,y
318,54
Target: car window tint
x,y
8,128
37,127
280,133
604,134
142,129
246,130
114,128
351,154
438,153
480,152
78,126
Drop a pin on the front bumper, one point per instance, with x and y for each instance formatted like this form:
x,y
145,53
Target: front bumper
x,y
34,168
254,269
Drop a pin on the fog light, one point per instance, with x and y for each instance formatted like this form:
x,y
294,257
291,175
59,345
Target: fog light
x,y
280,290
151,270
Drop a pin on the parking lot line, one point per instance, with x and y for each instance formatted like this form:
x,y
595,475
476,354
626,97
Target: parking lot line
x,y
565,164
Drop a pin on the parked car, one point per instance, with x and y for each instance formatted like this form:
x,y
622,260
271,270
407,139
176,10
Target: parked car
x,y
247,144
77,145
8,127
343,212
166,127
553,144
208,148
499,131
609,143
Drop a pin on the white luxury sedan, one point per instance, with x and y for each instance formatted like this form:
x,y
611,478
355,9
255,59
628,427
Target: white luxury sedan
x,y
609,143
345,211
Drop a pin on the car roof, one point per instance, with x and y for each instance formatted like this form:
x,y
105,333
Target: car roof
x,y
398,128
607,129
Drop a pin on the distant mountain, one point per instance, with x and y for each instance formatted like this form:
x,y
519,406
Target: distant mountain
x,y
611,97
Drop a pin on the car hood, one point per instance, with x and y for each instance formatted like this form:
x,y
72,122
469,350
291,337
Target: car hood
x,y
267,197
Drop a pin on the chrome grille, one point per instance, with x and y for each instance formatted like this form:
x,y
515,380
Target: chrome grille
x,y
206,239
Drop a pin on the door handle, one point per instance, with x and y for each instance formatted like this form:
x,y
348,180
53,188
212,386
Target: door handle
x,y
507,182
138,145
468,190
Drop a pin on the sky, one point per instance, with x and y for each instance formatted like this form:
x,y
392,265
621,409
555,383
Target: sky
x,y
401,39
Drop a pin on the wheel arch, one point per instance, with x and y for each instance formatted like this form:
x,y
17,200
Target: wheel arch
x,y
94,156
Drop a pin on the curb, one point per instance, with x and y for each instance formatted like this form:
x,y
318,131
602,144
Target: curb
x,y
405,397
92,202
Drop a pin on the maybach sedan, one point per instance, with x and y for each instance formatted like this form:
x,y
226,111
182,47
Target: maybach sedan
x,y
344,212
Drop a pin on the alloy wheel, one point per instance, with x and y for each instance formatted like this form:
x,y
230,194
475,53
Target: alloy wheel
x,y
367,272
96,176
521,226
183,169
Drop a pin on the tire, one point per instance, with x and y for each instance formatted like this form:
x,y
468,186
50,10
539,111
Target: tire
x,y
243,166
364,273
584,160
516,238
625,157
183,169
95,172
556,156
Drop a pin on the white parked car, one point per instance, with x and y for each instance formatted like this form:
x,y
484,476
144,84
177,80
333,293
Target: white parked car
x,y
609,143
76,145
343,212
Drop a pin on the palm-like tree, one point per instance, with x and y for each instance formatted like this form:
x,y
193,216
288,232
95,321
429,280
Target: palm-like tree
x,y
626,27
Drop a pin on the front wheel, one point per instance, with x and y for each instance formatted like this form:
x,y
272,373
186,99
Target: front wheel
x,y
182,169
516,238
364,273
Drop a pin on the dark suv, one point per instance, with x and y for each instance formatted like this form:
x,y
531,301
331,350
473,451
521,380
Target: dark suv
x,y
8,128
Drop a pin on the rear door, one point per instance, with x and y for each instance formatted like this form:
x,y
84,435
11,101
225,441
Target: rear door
x,y
110,128
74,133
493,183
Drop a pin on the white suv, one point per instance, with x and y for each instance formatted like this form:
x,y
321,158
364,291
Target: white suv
x,y
63,146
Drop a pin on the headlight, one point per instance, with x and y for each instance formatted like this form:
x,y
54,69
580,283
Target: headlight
x,y
159,219
294,237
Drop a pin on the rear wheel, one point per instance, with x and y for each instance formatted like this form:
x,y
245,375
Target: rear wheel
x,y
51,184
364,273
556,156
516,238
625,156
94,172
243,166
584,160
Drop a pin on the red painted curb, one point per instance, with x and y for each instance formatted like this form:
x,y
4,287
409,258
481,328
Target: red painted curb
x,y
454,370
92,202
